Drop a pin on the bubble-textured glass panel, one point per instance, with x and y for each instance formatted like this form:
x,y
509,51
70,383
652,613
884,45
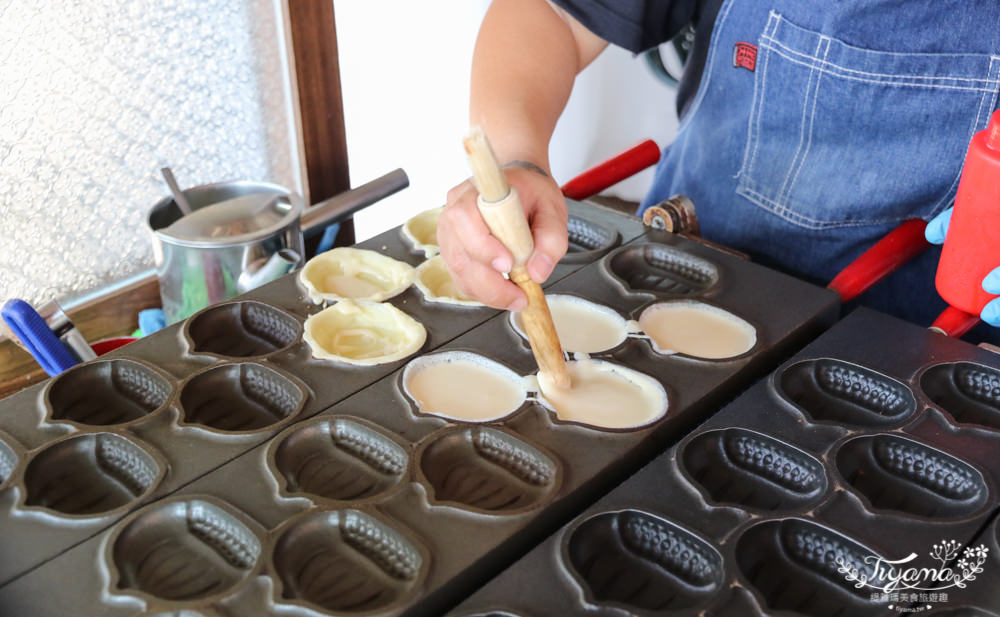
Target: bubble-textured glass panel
x,y
96,96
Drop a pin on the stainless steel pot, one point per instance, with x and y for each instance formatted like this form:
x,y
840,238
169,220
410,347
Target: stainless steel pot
x,y
197,271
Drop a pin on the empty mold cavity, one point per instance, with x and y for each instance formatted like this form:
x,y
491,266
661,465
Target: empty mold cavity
x,y
421,231
363,333
240,397
183,550
344,561
107,392
581,325
588,240
697,329
737,466
487,469
338,459
661,269
969,392
641,562
346,273
836,391
896,473
463,386
794,564
242,329
8,461
92,474
435,283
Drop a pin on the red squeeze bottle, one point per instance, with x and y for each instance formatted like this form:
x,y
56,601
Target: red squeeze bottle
x,y
972,244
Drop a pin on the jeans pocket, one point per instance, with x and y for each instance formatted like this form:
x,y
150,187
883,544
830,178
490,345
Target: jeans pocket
x,y
843,136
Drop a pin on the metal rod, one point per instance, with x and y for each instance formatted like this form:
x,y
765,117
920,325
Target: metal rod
x,y
341,206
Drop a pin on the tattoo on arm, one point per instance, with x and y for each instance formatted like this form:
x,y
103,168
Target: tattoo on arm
x,y
529,166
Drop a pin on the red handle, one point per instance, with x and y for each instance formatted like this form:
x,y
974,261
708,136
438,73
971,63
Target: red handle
x,y
612,171
111,344
898,247
955,322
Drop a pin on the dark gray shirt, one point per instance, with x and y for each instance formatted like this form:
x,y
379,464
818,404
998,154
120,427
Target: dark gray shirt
x,y
638,25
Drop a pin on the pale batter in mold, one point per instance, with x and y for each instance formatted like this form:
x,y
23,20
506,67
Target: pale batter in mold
x,y
604,395
582,326
697,329
357,274
435,282
463,386
363,333
421,231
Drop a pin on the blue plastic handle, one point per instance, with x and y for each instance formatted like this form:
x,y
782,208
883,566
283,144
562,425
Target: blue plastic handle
x,y
36,335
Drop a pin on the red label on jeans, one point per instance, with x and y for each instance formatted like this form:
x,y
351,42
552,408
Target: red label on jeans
x,y
745,56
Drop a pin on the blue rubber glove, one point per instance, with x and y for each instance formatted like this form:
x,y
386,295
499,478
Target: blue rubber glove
x,y
935,233
151,320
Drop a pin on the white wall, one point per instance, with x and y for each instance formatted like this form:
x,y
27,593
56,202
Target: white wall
x,y
405,77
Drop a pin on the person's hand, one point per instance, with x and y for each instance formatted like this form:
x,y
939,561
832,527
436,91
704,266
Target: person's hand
x,y
477,260
935,233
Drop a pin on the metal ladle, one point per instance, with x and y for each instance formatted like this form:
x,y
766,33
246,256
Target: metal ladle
x,y
175,190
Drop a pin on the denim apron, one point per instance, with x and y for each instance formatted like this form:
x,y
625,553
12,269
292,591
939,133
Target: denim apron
x,y
820,125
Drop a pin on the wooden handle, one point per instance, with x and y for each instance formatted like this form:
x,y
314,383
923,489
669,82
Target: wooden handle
x,y
541,331
502,211
498,203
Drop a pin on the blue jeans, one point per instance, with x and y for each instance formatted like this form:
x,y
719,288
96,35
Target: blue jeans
x,y
849,117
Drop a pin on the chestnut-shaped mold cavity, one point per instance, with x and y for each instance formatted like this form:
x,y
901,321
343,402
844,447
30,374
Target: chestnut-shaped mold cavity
x,y
836,391
240,397
487,470
745,468
794,564
897,473
106,393
337,459
242,330
663,270
969,392
637,561
345,562
588,240
91,474
190,549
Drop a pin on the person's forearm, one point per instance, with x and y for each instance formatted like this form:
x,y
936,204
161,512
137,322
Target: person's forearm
x,y
527,55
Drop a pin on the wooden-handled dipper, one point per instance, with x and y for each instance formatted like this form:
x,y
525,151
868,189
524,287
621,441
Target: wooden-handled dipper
x,y
501,209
